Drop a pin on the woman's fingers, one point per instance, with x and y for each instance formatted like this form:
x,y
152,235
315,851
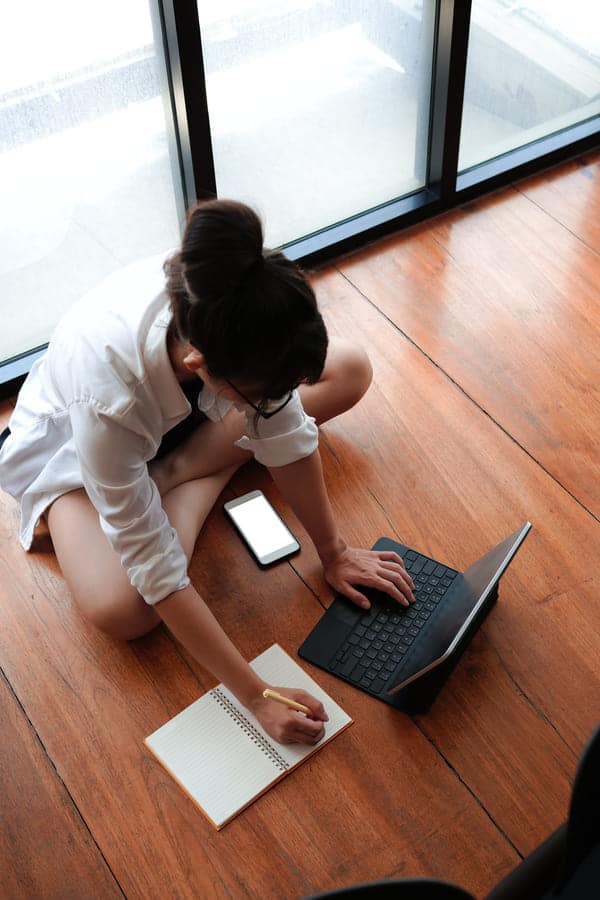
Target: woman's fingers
x,y
317,710
308,731
382,570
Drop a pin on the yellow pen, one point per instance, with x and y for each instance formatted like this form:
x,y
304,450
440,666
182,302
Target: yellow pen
x,y
273,695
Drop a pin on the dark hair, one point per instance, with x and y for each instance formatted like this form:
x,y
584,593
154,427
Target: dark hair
x,y
249,310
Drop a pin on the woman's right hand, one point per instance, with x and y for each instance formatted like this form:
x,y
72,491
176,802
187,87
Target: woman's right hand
x,y
286,725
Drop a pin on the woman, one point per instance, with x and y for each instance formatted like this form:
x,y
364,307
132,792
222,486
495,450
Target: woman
x,y
106,445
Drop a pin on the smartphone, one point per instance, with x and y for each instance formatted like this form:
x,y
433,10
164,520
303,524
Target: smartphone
x,y
263,531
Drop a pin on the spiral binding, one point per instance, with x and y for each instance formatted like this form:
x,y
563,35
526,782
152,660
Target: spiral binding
x,y
252,732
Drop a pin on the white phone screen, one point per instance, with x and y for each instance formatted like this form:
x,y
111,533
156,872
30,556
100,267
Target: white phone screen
x,y
262,528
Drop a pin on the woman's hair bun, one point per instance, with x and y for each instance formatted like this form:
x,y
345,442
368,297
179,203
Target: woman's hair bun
x,y
251,311
222,242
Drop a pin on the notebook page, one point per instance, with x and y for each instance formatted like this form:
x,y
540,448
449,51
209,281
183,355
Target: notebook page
x,y
213,759
278,668
219,753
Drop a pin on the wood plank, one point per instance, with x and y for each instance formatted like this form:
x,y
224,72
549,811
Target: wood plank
x,y
46,849
93,700
419,461
482,717
569,193
506,301
380,478
452,483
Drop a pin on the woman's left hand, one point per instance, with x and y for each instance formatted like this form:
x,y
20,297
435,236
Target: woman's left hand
x,y
380,569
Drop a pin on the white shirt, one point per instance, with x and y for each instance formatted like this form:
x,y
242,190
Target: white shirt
x,y
93,411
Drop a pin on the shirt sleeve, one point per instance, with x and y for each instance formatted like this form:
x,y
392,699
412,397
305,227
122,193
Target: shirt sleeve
x,y
284,438
116,479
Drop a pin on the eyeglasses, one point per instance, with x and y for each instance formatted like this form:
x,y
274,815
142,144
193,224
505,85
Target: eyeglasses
x,y
256,407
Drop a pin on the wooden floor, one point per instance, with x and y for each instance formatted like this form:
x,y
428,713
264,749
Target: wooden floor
x,y
484,332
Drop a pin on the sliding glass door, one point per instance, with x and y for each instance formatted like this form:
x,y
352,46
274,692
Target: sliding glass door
x,y
85,172
318,109
338,120
533,69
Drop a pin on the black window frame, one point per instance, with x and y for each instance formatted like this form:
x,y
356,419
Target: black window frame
x,y
446,188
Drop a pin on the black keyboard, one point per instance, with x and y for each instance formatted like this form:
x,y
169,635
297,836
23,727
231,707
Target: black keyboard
x,y
378,642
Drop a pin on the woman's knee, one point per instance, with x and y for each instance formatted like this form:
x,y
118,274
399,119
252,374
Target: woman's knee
x,y
346,377
122,618
359,370
352,369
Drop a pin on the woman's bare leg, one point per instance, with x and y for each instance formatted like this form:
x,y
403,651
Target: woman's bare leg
x,y
199,470
346,377
93,571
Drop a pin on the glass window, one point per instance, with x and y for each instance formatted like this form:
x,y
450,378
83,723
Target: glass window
x,y
533,69
85,175
319,109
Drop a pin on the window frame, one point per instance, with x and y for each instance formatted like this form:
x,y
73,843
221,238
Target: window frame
x,y
445,187
190,140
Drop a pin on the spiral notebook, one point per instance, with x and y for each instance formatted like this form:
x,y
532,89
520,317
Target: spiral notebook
x,y
220,755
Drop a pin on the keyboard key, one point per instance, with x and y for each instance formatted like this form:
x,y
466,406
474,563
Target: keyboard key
x,y
378,685
360,630
364,643
439,571
428,567
353,639
390,666
347,666
410,554
358,674
365,682
417,566
358,652
371,674
382,617
371,653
